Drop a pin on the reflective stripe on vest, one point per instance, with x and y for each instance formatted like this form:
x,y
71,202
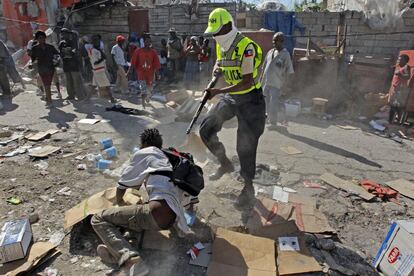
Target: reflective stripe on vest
x,y
230,62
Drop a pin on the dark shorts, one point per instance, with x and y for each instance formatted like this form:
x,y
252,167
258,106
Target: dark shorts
x,y
47,78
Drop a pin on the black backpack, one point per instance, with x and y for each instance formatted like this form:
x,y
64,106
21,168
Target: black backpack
x,y
186,174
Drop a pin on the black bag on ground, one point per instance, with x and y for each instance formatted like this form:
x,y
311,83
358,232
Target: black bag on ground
x,y
186,174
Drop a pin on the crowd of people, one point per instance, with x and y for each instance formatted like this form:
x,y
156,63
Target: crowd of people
x,y
85,63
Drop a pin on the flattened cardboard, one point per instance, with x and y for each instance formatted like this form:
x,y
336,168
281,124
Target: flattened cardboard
x,y
36,253
309,219
346,186
44,151
302,210
289,262
295,262
96,203
236,254
268,212
41,135
291,150
403,186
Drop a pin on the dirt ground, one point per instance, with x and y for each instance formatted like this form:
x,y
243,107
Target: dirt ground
x,y
349,154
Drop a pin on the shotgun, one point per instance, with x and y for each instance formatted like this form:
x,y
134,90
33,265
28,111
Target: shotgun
x,y
202,104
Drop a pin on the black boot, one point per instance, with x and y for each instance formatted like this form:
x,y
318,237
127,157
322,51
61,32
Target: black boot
x,y
225,167
246,196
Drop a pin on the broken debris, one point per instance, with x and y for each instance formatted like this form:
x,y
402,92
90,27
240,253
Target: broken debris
x,y
346,186
290,150
36,255
42,152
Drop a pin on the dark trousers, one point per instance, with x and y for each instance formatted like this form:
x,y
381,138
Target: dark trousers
x,y
395,111
250,111
74,85
4,83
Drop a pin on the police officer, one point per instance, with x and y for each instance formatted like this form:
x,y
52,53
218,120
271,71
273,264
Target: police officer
x,y
238,60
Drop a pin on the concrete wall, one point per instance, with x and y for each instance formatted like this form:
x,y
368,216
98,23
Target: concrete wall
x,y
114,21
164,17
109,23
323,26
2,24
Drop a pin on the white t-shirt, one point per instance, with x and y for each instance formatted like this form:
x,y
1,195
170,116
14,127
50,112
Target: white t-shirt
x,y
277,66
149,160
119,55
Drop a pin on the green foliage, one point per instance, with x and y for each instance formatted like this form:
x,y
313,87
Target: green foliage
x,y
310,5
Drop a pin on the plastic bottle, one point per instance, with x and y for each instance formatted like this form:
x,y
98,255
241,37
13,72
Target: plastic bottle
x,y
104,164
110,153
92,161
106,143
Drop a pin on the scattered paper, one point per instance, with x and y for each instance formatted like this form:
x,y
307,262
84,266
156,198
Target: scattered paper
x,y
56,238
289,244
89,121
280,195
19,150
309,184
11,139
291,150
45,151
64,191
195,250
403,186
204,257
289,190
348,127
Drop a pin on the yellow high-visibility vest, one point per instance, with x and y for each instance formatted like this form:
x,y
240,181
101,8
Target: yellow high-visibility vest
x,y
230,62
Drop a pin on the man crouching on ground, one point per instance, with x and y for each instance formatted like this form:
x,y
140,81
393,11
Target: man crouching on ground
x,y
164,209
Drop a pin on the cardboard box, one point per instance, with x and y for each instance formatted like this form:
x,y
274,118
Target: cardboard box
x,y
15,238
96,203
236,254
396,255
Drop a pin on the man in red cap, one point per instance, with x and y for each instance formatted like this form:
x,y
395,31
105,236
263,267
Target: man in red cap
x,y
118,57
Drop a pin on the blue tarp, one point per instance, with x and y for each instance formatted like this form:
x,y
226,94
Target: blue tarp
x,y
279,21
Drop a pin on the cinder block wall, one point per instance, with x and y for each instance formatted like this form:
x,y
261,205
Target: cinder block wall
x,y
325,23
2,24
110,23
114,21
164,17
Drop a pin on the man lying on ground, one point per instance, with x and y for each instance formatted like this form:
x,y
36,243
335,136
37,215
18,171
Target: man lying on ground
x,y
163,211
